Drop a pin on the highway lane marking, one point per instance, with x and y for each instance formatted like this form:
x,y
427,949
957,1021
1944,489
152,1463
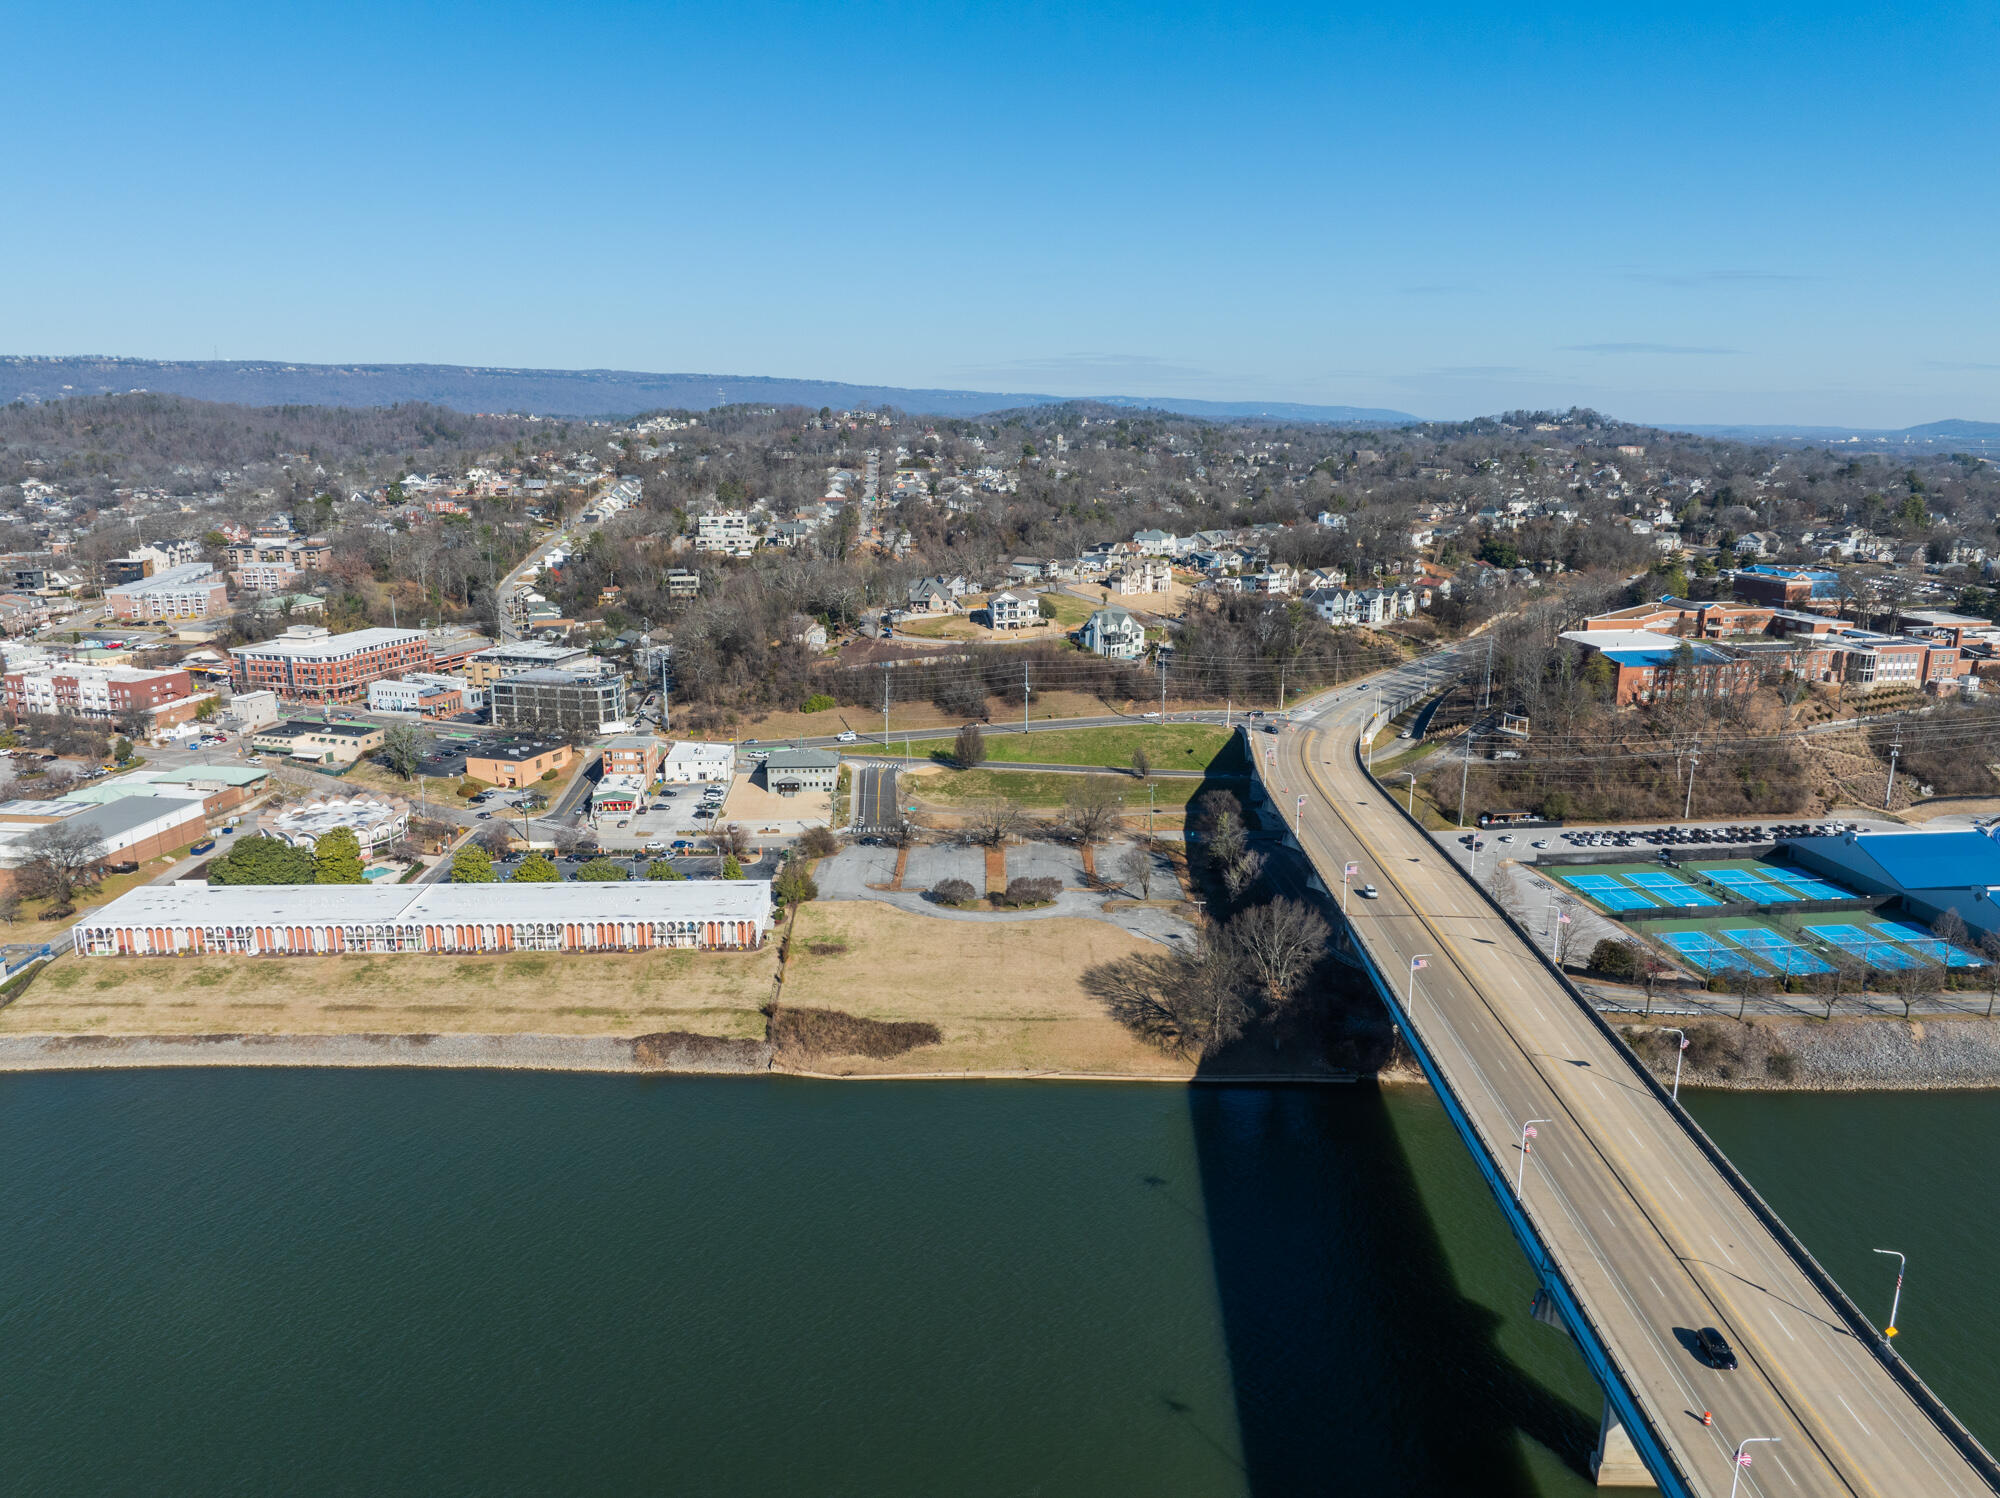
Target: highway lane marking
x,y
1852,1416
1620,1173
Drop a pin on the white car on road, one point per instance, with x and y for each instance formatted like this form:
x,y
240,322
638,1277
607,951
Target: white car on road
x,y
1368,892
848,737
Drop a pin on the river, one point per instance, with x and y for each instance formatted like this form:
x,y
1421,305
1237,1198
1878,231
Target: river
x,y
458,1282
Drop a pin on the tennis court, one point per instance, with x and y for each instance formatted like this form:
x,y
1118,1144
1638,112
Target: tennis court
x,y
1870,948
1611,893
1777,949
1670,890
1810,887
1703,952
1747,886
1920,940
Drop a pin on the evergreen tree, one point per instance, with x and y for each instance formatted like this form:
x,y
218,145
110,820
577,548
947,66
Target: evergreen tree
x,y
536,869
337,855
731,869
601,871
264,860
660,868
472,865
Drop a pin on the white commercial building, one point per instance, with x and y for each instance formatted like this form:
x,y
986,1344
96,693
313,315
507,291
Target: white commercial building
x,y
690,762
303,920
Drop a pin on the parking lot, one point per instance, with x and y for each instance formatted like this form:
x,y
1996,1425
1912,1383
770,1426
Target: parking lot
x,y
1532,844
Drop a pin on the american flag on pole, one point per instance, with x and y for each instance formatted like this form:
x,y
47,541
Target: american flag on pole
x,y
1351,870
1684,1042
1563,916
1416,964
1742,1458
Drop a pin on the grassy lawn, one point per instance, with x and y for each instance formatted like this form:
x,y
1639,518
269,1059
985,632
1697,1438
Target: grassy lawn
x,y
1006,995
1071,611
1170,746
612,993
945,627
1040,788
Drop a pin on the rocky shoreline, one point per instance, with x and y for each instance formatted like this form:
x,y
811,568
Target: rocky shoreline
x,y
668,1052
1809,1055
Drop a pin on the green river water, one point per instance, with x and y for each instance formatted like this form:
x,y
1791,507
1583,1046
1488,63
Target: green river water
x,y
399,1282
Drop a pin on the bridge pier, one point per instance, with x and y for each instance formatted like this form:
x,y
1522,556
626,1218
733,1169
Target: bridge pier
x,y
1615,1463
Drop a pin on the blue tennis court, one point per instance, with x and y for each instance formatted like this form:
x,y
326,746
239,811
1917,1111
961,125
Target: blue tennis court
x,y
1609,892
1810,888
1780,951
1702,951
1920,940
1871,949
1747,886
1670,890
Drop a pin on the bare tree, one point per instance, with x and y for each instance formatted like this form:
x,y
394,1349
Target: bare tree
x,y
58,858
1142,763
991,823
1187,1003
1989,948
1280,942
1093,809
1912,982
728,840
1844,970
1136,867
1242,872
403,749
1226,839
969,749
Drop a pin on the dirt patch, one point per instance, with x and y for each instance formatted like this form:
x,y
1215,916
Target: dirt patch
x,y
1006,996
902,866
811,1035
996,870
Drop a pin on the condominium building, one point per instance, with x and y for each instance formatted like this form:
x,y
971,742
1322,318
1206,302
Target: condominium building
x,y
269,564
484,667
163,698
308,664
193,591
636,754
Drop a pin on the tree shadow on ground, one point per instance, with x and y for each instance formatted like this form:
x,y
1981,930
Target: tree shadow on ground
x,y
1358,1365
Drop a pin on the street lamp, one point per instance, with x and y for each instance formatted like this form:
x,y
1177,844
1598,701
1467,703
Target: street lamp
x,y
1412,774
1677,1058
1896,1304
1521,1165
1410,990
1347,872
1743,1458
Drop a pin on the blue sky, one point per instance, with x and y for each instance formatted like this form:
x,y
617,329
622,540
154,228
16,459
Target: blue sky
x,y
1688,213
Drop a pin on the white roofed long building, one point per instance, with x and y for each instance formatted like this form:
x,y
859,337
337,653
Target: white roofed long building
x,y
315,920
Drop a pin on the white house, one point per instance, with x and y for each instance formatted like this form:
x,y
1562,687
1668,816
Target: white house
x,y
1142,575
1113,632
691,762
1012,611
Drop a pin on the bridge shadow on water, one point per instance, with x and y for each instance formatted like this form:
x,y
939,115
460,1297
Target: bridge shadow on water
x,y
1360,1364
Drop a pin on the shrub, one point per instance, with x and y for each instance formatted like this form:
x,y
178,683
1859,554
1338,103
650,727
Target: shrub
x,y
819,702
602,871
1024,892
1615,959
662,870
818,842
794,886
1781,1066
828,1032
954,892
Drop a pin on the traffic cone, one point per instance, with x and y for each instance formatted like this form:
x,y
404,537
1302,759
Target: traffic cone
x,y
1707,1418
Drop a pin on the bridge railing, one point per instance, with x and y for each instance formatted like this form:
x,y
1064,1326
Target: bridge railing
x,y
1864,1330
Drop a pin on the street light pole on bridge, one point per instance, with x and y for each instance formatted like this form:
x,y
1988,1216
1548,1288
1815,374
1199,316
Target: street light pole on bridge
x,y
1521,1165
1743,1458
1896,1304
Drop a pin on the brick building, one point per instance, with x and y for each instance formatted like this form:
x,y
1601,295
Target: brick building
x,y
307,664
270,564
107,693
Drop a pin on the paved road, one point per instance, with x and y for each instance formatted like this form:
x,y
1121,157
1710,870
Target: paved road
x,y
1643,1227
875,804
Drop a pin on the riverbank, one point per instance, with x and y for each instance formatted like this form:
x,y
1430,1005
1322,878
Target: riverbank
x,y
1815,1055
662,1052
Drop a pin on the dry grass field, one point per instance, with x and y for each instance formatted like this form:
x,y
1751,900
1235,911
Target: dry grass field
x,y
719,993
1006,994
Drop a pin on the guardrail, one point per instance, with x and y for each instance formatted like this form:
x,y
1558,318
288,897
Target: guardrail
x,y
1864,1331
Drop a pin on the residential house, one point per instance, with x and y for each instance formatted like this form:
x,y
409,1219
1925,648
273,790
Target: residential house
x,y
1013,611
1113,632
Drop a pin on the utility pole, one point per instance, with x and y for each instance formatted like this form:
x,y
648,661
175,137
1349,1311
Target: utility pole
x,y
1694,764
1281,686
1895,752
1025,692
1163,689
885,709
1486,697
1464,773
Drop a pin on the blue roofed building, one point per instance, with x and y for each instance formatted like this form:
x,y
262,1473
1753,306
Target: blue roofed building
x,y
1651,665
1931,871
1787,587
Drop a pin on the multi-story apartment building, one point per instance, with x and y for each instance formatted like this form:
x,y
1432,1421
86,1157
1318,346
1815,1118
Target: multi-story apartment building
x,y
150,561
558,700
269,564
194,590
1013,611
163,698
484,667
308,664
725,531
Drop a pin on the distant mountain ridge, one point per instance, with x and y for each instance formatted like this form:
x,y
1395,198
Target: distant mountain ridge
x,y
1954,433
563,392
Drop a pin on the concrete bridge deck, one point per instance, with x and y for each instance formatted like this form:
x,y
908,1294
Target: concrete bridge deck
x,y
1641,1231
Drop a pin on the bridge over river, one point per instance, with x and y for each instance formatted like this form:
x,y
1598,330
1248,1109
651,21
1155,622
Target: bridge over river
x,y
1639,1228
